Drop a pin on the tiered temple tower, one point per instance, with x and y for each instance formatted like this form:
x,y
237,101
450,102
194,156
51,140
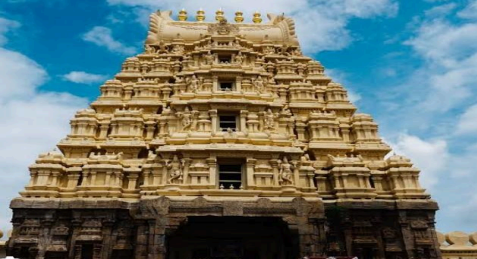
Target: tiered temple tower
x,y
222,140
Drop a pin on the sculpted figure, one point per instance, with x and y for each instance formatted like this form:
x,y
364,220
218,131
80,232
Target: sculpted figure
x,y
239,58
193,84
286,173
258,84
186,119
209,58
179,80
178,49
297,52
269,120
286,110
175,166
149,49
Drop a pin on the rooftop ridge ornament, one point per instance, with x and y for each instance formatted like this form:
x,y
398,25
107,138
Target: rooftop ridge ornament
x,y
239,17
219,15
182,15
257,17
162,27
223,28
200,17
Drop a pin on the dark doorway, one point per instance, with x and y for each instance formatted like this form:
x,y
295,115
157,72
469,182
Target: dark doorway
x,y
87,251
232,238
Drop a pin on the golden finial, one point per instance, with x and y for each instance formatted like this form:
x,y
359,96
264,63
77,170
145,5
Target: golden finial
x,y
200,15
219,15
257,17
239,17
182,15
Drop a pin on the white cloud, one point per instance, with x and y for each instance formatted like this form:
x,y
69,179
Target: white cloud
x,y
449,74
441,10
5,26
429,156
470,11
81,77
102,36
31,122
468,121
320,24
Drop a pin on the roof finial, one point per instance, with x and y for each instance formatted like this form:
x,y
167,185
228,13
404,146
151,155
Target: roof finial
x,y
219,15
257,17
200,17
182,15
239,17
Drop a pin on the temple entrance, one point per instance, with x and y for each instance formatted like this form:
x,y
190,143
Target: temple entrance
x,y
232,238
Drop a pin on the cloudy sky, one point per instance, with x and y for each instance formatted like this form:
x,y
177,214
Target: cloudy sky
x,y
410,64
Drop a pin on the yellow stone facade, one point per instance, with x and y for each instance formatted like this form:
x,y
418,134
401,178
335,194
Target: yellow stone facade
x,y
217,112
155,129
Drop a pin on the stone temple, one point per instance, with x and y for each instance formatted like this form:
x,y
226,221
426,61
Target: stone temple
x,y
222,141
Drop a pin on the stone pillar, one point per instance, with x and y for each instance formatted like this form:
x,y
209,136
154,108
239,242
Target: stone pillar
x,y
185,170
150,127
215,84
243,120
238,83
73,174
275,170
213,118
249,172
300,129
141,242
212,162
107,244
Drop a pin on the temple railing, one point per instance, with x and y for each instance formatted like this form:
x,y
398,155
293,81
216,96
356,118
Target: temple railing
x,y
458,245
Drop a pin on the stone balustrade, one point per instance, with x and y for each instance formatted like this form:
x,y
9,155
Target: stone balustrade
x,y
458,245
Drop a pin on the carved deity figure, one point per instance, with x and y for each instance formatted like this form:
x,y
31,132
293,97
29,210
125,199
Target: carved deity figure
x,y
286,172
175,166
178,49
186,119
149,49
269,120
297,52
286,110
193,84
239,58
209,58
258,84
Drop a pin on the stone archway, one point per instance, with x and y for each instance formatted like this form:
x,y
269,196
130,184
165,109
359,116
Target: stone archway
x,y
232,238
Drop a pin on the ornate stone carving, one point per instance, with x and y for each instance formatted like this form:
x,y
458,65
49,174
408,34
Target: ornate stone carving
x,y
223,28
207,107
286,172
176,170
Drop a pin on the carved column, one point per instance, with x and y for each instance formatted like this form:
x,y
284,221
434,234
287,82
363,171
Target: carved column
x,y
141,241
300,129
238,83
250,173
150,127
243,120
213,117
185,170
215,84
212,162
275,170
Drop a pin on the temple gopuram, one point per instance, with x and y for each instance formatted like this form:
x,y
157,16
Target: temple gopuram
x,y
222,141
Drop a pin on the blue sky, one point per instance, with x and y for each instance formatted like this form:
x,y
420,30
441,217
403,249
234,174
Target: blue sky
x,y
412,65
